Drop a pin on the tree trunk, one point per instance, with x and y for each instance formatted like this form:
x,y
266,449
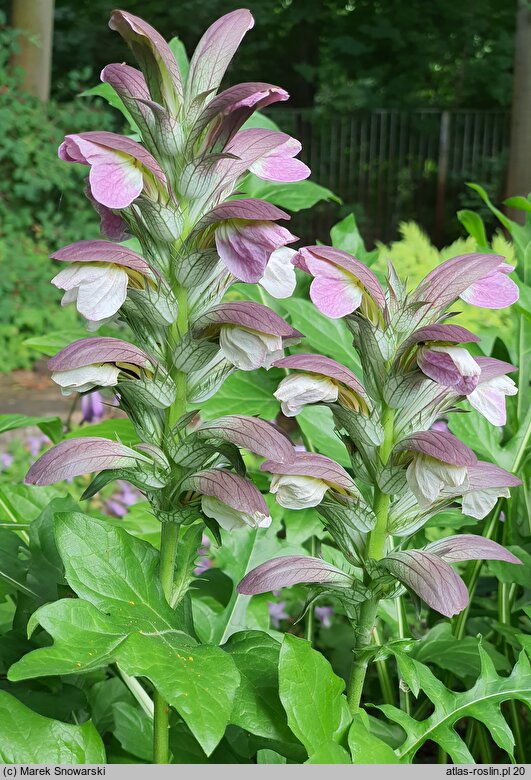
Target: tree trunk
x,y
519,170
35,19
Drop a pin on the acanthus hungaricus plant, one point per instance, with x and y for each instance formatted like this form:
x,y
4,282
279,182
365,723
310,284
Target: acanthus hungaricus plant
x,y
408,465
175,191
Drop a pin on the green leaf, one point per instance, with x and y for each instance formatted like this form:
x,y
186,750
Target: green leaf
x,y
345,235
246,393
257,707
474,226
179,52
110,95
188,544
461,657
13,568
133,730
266,756
312,695
366,748
50,426
24,503
122,616
294,196
51,343
200,682
119,429
482,702
317,425
260,121
329,337
506,572
28,738
518,202
330,753
482,437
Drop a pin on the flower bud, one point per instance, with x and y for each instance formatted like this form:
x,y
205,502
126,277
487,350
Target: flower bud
x,y
298,492
229,518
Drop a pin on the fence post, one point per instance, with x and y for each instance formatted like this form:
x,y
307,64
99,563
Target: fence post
x,y
442,170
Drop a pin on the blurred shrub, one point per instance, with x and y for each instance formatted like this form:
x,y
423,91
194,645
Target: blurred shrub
x,y
39,195
30,304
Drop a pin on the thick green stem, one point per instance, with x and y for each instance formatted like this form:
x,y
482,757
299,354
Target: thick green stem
x,y
375,549
169,535
168,549
378,536
310,614
384,675
359,665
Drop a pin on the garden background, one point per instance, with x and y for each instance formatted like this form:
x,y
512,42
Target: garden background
x,y
414,119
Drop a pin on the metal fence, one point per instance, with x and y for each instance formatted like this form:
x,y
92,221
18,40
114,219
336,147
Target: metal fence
x,y
392,165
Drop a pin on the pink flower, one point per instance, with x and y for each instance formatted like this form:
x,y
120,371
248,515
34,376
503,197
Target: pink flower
x,y
341,283
120,168
246,235
270,155
494,290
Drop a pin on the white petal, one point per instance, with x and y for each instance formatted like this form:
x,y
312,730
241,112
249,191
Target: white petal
x,y
298,492
427,476
248,349
103,296
478,503
87,377
297,390
462,360
229,518
279,277
489,402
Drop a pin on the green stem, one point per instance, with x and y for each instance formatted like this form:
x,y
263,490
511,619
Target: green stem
x,y
403,633
473,576
384,676
169,535
378,536
310,614
359,665
375,549
168,550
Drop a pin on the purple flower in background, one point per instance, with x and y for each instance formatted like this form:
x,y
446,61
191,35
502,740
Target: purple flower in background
x,y
119,503
324,615
277,612
204,563
92,407
36,442
440,425
5,460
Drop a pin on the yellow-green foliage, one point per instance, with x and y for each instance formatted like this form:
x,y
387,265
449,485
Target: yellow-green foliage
x,y
413,256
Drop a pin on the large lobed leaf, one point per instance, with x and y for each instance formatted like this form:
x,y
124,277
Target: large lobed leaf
x,y
29,738
121,616
482,702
